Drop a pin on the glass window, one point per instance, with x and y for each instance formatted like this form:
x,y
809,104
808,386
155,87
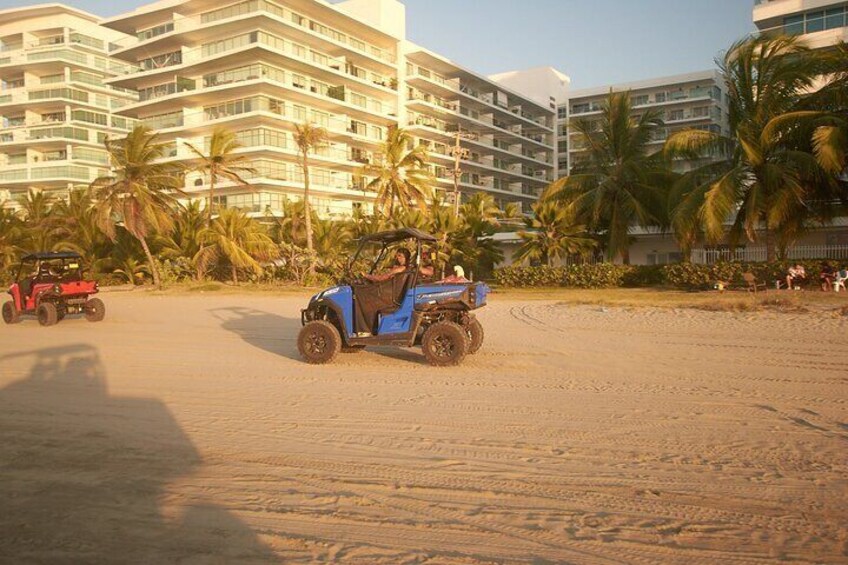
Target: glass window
x,y
815,21
793,25
834,18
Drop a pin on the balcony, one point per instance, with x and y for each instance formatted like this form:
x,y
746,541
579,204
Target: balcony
x,y
180,85
455,85
51,172
296,19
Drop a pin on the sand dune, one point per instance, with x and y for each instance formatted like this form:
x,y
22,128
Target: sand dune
x,y
184,429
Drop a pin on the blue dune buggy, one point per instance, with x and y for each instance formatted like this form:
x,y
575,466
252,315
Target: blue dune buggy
x,y
402,310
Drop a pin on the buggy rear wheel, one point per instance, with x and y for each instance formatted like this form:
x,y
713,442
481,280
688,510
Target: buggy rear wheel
x,y
474,331
10,313
319,342
47,314
445,344
94,310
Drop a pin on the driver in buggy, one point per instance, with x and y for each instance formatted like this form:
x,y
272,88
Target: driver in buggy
x,y
384,292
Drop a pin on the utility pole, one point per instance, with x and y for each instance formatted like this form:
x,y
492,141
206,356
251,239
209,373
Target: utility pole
x,y
459,153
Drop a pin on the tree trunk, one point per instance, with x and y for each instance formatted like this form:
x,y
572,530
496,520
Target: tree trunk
x,y
625,256
770,254
211,196
235,274
154,270
307,210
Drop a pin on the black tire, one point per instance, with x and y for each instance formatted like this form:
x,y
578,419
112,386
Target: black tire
x,y
445,344
94,310
47,314
475,333
319,342
353,348
10,313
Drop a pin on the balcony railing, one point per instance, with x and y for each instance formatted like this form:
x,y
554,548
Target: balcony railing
x,y
72,172
487,98
299,20
758,253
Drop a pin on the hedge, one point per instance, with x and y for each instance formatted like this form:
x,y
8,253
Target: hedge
x,y
688,276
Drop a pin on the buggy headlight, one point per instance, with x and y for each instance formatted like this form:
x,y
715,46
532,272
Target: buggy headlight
x,y
57,288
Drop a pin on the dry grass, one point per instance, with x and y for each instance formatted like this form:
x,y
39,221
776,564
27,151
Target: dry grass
x,y
740,301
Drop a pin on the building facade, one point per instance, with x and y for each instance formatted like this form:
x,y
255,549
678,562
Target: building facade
x,y
822,23
55,106
694,100
259,67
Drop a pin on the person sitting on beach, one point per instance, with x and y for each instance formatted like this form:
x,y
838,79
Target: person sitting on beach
x,y
826,276
795,276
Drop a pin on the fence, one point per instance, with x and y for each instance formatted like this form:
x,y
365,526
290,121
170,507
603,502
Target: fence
x,y
753,254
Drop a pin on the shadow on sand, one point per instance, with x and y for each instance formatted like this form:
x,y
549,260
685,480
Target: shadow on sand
x,y
266,331
278,335
82,473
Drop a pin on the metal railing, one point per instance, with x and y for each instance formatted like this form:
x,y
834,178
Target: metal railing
x,y
758,254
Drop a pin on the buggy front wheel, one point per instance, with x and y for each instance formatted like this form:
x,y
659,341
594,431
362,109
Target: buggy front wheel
x,y
10,313
319,342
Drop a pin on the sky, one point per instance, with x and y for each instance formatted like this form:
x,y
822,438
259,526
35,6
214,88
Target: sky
x,y
595,42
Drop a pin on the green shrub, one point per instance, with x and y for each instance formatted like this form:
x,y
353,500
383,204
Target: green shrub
x,y
685,276
602,275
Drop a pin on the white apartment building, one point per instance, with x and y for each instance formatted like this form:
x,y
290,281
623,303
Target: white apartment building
x,y
506,138
55,107
693,100
822,23
259,67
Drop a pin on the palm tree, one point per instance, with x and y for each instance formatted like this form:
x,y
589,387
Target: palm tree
x,y
221,161
76,220
308,139
552,233
362,224
619,183
767,176
444,225
332,240
473,243
830,140
40,220
401,176
238,239
11,238
185,241
511,214
139,194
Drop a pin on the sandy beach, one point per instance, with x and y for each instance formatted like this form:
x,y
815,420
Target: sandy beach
x,y
185,429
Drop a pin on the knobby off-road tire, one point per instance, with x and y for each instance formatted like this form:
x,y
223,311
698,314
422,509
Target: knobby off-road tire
x,y
47,314
10,313
445,344
474,330
319,342
94,310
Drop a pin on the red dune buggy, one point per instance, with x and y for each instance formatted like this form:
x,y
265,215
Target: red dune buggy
x,y
51,286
